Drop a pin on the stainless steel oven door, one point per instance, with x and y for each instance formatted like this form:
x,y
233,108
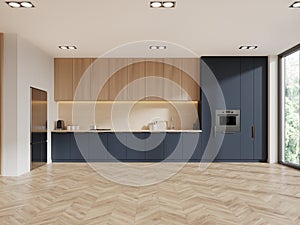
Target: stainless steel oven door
x,y
228,121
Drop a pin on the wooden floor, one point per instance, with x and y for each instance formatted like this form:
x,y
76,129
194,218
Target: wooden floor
x,y
225,193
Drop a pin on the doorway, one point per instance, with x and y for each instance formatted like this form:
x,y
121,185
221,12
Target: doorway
x,y
38,128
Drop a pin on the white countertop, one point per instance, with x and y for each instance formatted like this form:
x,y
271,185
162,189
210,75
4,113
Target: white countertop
x,y
128,131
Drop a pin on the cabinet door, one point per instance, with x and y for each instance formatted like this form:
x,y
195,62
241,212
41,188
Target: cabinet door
x,y
36,152
190,79
118,72
63,79
116,143
79,143
44,151
136,146
172,79
99,80
227,72
81,79
191,146
155,147
60,147
173,147
136,79
247,108
231,147
97,147
260,108
154,82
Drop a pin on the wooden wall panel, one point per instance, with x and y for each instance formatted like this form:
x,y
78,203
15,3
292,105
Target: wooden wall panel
x,y
82,79
191,78
118,71
99,80
114,76
136,81
63,76
172,81
154,88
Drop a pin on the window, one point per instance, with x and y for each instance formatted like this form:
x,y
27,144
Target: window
x,y
289,65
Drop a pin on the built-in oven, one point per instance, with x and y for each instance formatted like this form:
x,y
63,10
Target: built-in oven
x,y
228,121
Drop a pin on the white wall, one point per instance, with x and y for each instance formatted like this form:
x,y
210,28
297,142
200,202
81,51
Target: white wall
x,y
273,110
24,67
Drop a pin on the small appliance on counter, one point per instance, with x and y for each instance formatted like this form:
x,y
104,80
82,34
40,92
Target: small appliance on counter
x,y
73,127
60,125
159,125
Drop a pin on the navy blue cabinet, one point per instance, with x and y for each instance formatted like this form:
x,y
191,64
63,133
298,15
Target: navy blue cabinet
x,y
60,147
173,147
124,146
117,146
191,147
36,153
136,145
243,81
97,150
155,147
79,144
254,108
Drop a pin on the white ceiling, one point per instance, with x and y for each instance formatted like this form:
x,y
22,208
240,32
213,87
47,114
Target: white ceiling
x,y
206,27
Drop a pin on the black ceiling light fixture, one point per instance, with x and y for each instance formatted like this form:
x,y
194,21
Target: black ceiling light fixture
x,y
22,4
295,5
162,4
67,47
248,47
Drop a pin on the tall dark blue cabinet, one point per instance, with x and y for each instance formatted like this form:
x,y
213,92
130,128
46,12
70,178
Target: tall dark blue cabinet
x,y
243,81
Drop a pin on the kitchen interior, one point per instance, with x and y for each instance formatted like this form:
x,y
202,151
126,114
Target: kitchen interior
x,y
149,112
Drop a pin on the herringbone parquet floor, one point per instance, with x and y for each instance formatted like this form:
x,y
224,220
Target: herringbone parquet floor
x,y
225,193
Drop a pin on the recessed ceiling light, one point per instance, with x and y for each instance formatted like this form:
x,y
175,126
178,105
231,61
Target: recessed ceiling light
x,y
162,4
67,47
72,47
248,47
14,4
169,4
162,47
23,4
295,5
63,47
155,4
152,47
27,4
157,47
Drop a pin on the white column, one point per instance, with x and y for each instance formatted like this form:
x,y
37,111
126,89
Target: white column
x,y
273,110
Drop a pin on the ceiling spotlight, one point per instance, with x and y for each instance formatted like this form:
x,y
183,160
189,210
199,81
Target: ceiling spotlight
x,y
27,4
67,47
169,4
162,4
295,5
157,47
23,4
14,4
63,47
72,47
248,47
152,47
155,4
162,47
